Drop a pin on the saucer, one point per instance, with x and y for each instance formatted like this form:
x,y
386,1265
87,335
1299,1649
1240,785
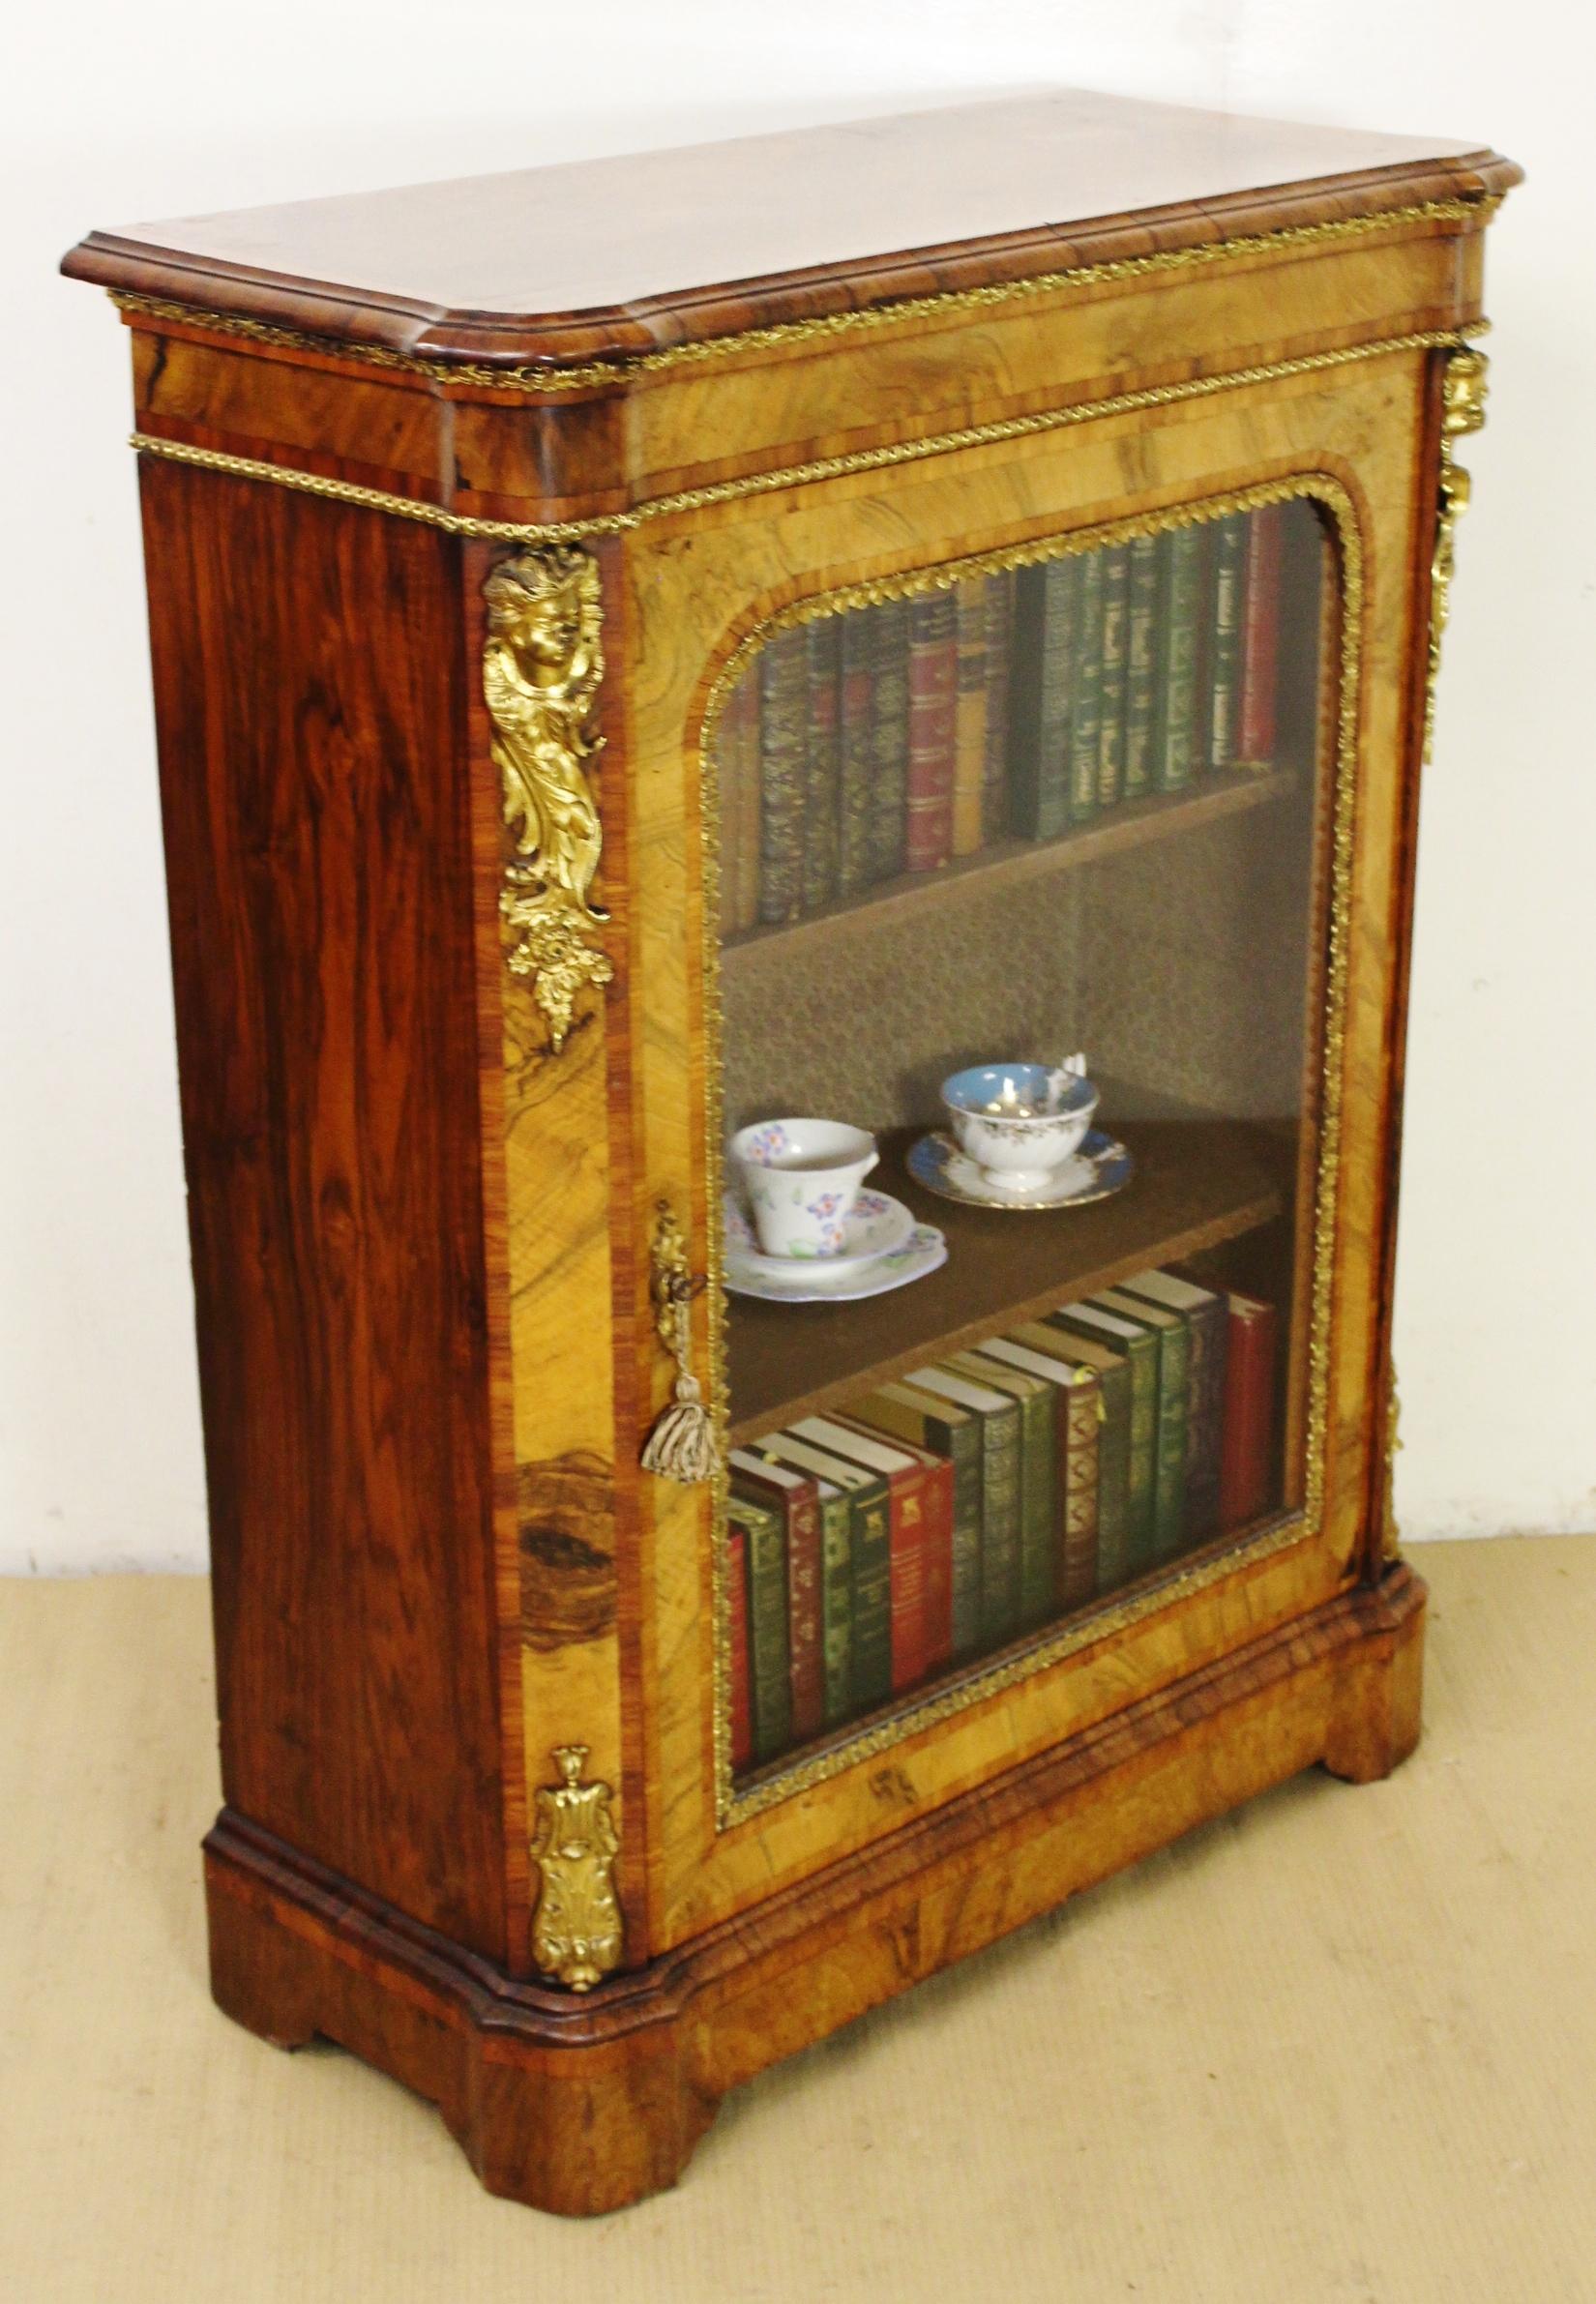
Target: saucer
x,y
875,1225
822,1281
1100,1166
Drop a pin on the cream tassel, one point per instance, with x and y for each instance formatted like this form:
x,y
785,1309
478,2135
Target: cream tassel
x,y
681,1446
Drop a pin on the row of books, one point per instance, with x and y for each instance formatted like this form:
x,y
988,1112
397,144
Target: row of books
x,y
893,738
936,1518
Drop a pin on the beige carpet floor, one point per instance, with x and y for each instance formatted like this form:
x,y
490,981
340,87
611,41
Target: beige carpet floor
x,y
1339,2046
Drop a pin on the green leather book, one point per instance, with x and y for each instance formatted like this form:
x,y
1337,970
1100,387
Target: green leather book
x,y
1208,1326
784,717
1112,1371
1181,555
1039,1481
1140,666
1222,653
822,759
1044,1352
999,1494
1086,688
905,1413
1045,602
1138,1347
1175,1370
764,1541
1116,664
890,739
835,1565
870,1567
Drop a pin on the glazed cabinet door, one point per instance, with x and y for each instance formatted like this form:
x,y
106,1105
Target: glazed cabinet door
x,y
1094,744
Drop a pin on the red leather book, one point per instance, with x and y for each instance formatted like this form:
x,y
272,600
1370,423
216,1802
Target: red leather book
x,y
799,1500
910,1512
937,1586
742,1693
933,721
1259,637
1247,1441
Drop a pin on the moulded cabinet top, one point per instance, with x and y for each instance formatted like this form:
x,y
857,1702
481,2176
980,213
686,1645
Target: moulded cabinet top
x,y
619,254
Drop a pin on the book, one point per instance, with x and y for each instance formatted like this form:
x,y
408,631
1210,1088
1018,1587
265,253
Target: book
x,y
1259,636
1207,1325
1116,661
905,1412
770,1677
910,1515
783,705
1112,1371
937,1591
836,1566
1140,666
797,1499
889,789
934,719
1222,647
1086,690
999,1494
1044,1354
742,1691
855,748
1138,1347
1246,1438
737,760
1174,1353
822,762
995,799
969,754
1181,554
1041,1457
870,1565
1046,599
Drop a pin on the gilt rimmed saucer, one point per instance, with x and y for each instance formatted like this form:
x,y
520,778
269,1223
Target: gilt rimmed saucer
x,y
1099,1168
875,1225
821,1282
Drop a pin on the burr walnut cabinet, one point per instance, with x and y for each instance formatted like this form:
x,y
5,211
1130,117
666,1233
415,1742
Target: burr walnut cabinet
x,y
479,518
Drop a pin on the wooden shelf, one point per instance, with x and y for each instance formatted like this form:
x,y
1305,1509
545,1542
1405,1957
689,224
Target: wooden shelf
x,y
1197,1182
1015,860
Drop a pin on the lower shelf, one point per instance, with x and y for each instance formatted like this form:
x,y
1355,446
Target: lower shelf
x,y
580,2105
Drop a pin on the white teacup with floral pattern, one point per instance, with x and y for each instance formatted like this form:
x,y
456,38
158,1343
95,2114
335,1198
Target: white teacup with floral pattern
x,y
802,1178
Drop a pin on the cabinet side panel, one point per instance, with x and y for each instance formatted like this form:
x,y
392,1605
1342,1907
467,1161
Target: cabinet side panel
x,y
310,707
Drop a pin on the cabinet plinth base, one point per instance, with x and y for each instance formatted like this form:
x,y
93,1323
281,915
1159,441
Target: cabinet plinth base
x,y
581,2104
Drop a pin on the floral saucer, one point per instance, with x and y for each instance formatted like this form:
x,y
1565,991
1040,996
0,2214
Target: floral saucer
x,y
824,1281
1100,1166
875,1225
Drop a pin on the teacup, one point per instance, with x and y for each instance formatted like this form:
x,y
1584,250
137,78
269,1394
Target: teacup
x,y
802,1178
1019,1122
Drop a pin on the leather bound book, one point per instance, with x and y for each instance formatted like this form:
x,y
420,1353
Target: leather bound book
x,y
1112,1411
1086,690
1117,640
1181,555
1046,604
1141,658
856,749
889,791
1207,1324
742,1692
1175,1360
909,1517
969,754
934,719
822,760
770,1674
999,1494
798,1499
1247,1444
835,1565
1040,1462
870,1567
921,1420
1137,1347
1260,637
1222,644
1043,1352
994,801
936,1549
783,720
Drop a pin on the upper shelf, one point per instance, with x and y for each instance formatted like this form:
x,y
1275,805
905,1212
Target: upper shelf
x,y
1197,1182
1011,861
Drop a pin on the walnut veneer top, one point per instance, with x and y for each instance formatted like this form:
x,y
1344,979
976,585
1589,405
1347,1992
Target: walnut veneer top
x,y
619,254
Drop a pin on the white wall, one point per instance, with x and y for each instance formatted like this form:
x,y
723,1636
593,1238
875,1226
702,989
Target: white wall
x,y
174,107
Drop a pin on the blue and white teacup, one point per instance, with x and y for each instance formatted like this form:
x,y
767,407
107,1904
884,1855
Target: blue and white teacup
x,y
1019,1122
801,1178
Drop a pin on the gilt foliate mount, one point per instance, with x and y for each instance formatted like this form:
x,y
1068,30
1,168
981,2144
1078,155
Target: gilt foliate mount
x,y
543,660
